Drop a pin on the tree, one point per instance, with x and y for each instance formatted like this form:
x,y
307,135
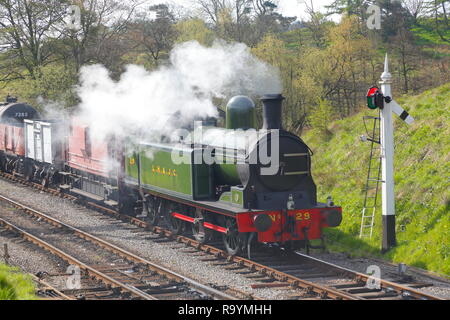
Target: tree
x,y
439,11
339,69
194,29
268,20
25,29
350,7
154,31
274,51
402,45
415,8
101,33
213,8
229,17
321,117
245,21
316,25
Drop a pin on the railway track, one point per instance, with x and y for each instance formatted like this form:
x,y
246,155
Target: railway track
x,y
134,278
46,291
277,268
357,284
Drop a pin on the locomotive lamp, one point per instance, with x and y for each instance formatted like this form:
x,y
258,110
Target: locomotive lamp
x,y
330,202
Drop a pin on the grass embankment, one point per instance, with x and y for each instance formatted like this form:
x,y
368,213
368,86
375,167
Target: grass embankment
x,y
422,178
15,285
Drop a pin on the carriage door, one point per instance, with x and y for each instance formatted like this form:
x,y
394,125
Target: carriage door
x,y
38,142
29,142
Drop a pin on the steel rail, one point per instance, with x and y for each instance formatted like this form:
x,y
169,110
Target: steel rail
x,y
295,282
74,261
121,252
278,275
46,285
364,278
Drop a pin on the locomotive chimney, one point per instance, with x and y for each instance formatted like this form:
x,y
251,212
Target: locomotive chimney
x,y
272,111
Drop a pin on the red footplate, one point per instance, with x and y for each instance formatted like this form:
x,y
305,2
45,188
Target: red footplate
x,y
281,226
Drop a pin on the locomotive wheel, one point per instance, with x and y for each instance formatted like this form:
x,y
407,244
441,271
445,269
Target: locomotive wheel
x,y
234,241
154,207
200,233
175,225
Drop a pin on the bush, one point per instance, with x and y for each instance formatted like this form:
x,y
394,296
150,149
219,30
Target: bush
x,y
15,285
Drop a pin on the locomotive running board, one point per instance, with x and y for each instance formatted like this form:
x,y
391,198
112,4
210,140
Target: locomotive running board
x,y
211,206
205,224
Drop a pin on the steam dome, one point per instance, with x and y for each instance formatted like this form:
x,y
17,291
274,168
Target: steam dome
x,y
240,113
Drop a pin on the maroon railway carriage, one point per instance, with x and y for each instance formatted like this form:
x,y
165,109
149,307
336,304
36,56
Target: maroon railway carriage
x,y
63,154
92,166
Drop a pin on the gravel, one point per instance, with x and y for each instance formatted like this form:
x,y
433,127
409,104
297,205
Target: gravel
x,y
137,241
168,254
389,271
32,259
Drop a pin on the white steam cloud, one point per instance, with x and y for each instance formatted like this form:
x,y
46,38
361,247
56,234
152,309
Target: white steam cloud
x,y
145,101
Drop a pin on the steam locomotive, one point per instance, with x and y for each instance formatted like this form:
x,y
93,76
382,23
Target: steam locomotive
x,y
221,185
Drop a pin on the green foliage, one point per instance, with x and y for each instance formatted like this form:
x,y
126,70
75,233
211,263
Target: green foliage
x,y
321,117
15,285
194,29
422,170
426,34
56,83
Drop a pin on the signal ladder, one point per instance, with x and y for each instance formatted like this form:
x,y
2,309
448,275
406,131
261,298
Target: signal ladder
x,y
373,177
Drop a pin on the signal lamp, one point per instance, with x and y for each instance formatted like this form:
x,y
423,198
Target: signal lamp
x,y
375,98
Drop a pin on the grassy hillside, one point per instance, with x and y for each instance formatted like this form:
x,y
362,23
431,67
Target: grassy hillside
x,y
422,177
15,285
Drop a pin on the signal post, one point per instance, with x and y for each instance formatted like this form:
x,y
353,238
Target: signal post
x,y
387,163
382,99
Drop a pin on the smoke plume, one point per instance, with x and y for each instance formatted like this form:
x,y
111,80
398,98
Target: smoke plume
x,y
146,102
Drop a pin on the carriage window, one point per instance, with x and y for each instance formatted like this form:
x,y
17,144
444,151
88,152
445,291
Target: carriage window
x,y
87,142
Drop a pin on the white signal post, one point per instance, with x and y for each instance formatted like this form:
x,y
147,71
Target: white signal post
x,y
387,158
387,163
